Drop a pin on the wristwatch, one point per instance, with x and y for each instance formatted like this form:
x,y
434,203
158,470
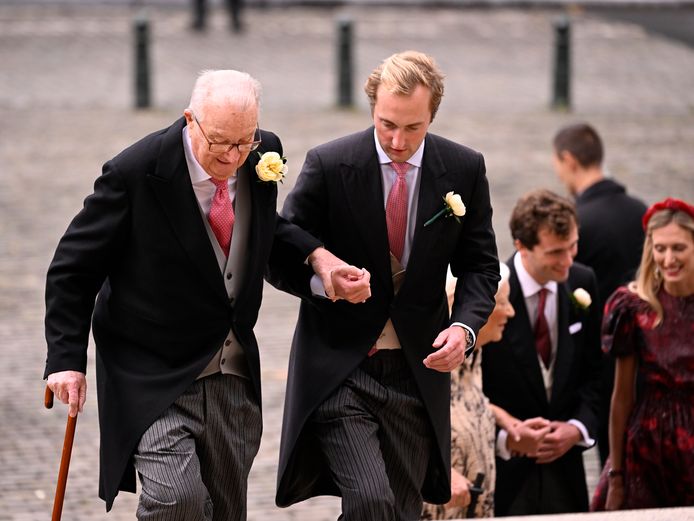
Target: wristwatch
x,y
469,343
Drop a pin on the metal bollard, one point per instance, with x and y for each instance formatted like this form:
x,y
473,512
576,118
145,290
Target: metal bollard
x,y
561,97
142,70
344,63
199,14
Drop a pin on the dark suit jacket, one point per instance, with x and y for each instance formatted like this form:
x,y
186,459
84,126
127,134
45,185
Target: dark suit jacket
x,y
512,380
338,198
162,310
610,234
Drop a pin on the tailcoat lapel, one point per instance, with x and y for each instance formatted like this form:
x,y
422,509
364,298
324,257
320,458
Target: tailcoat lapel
x,y
262,217
361,175
432,188
565,345
174,191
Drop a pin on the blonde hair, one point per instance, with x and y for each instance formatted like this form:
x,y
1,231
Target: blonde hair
x,y
402,72
648,279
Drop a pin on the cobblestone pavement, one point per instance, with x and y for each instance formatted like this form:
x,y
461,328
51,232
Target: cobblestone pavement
x,y
66,97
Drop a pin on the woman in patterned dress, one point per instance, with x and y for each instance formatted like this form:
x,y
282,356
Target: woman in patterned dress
x,y
649,328
474,419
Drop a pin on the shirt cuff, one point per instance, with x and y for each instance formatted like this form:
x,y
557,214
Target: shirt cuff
x,y
469,347
317,287
587,441
501,448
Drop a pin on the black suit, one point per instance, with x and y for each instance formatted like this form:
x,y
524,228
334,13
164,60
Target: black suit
x,y
610,241
339,199
610,234
513,380
140,247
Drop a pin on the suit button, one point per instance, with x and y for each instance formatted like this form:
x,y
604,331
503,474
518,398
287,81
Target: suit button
x,y
231,300
227,343
223,360
228,276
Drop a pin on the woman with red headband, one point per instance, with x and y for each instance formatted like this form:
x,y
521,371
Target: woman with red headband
x,y
649,328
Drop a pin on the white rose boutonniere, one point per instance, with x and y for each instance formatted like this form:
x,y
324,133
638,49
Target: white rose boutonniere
x,y
453,205
271,168
581,298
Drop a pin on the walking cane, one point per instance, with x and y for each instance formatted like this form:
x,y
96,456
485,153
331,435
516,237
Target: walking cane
x,y
64,459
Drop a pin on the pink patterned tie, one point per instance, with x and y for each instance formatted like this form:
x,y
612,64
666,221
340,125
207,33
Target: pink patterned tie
x,y
396,210
221,216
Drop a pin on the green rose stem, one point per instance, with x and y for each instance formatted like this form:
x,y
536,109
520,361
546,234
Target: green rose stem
x,y
446,210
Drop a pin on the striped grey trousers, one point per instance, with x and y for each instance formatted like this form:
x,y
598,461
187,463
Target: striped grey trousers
x,y
376,437
194,460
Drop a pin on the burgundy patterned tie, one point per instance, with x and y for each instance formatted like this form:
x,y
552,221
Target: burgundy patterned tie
x,y
396,210
542,340
221,216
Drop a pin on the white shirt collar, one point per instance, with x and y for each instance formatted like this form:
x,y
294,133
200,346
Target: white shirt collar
x,y
415,160
528,284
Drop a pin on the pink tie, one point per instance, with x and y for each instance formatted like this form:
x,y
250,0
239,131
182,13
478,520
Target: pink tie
x,y
396,211
542,341
221,216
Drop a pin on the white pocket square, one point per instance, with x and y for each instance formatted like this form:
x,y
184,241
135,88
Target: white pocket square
x,y
575,328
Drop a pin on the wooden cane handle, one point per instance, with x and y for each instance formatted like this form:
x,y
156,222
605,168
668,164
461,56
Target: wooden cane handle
x,y
48,398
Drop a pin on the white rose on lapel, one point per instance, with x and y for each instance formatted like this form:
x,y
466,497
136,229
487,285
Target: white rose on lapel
x,y
455,202
453,205
271,168
581,298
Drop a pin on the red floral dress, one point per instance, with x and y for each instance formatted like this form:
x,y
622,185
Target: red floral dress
x,y
659,448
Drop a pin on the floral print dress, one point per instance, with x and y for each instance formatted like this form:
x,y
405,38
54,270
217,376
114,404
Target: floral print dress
x,y
659,445
473,432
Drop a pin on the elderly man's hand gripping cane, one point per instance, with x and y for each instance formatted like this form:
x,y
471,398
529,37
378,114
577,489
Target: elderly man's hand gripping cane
x,y
70,387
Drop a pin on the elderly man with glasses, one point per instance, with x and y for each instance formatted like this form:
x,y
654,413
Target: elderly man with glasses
x,y
165,263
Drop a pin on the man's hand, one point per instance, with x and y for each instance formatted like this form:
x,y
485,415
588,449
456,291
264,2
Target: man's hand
x,y
340,280
460,490
526,436
561,438
69,387
350,283
450,350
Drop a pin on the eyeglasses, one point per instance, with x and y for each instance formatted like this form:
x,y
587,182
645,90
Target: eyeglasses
x,y
223,148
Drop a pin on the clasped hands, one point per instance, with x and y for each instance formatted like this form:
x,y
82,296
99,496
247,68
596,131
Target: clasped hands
x,y
341,281
539,438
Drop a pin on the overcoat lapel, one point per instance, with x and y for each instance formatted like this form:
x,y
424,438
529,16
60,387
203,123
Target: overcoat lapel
x,y
521,340
172,187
